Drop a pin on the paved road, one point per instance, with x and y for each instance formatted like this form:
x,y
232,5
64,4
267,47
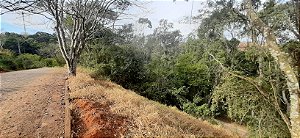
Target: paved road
x,y
13,81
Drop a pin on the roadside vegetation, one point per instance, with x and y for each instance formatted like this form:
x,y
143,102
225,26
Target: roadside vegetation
x,y
207,75
20,52
206,78
241,64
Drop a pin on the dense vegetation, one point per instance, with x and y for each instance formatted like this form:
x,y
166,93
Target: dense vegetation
x,y
207,76
19,52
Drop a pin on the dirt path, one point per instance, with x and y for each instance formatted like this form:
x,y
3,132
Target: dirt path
x,y
31,103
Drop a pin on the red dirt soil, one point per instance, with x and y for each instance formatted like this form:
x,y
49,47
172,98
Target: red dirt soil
x,y
94,120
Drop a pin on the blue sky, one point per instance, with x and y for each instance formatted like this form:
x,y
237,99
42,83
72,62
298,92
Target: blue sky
x,y
10,27
154,10
7,27
13,22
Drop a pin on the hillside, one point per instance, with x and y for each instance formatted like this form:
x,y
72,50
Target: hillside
x,y
102,108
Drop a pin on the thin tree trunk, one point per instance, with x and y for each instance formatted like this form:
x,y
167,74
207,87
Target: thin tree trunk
x,y
282,60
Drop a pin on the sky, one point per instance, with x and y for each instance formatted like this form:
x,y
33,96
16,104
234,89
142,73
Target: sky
x,y
154,10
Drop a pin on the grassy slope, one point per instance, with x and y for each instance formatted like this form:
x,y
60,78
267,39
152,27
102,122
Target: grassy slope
x,y
150,118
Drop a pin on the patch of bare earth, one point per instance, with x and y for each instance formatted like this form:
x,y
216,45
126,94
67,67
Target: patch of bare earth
x,y
35,110
94,119
104,109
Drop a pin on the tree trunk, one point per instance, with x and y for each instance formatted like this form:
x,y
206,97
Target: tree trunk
x,y
71,62
282,60
70,58
72,66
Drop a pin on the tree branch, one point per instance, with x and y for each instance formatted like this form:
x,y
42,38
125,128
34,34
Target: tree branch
x,y
251,81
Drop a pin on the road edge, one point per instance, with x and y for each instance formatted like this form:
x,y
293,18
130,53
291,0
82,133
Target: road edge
x,y
68,117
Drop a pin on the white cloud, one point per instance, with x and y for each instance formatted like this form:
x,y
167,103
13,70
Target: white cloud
x,y
166,9
154,10
33,23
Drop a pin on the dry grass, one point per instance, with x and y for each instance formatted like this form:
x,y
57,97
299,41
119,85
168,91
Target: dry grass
x,y
150,119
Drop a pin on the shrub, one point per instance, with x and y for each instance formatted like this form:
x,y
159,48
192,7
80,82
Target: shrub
x,y
122,64
197,111
7,64
50,62
60,60
101,71
29,61
7,60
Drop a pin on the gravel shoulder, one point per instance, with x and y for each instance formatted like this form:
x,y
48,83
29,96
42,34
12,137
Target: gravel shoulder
x,y
32,103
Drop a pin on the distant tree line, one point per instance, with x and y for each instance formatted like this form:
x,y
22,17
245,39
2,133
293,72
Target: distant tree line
x,y
19,52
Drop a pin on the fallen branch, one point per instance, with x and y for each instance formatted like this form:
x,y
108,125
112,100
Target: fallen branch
x,y
248,79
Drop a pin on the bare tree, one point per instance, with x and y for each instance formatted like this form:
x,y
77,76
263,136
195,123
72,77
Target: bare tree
x,y
76,21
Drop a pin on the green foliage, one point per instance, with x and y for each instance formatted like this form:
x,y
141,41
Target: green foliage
x,y
190,70
50,62
193,74
196,110
40,43
29,51
126,66
245,62
50,50
186,80
158,85
7,64
122,64
243,103
189,75
19,43
29,61
7,60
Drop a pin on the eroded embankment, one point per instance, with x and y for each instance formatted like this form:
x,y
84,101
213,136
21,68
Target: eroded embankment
x,y
94,119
